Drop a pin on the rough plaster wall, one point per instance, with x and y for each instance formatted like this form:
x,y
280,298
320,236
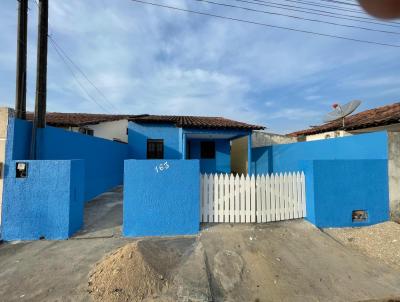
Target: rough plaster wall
x,y
163,201
262,139
48,202
4,114
394,175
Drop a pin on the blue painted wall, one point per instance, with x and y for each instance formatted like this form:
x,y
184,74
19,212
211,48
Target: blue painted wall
x,y
138,135
163,203
175,144
286,158
104,159
335,188
48,203
19,139
222,161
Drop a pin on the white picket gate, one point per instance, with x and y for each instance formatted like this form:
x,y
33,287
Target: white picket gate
x,y
244,199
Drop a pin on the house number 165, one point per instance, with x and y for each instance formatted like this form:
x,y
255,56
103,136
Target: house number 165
x,y
162,167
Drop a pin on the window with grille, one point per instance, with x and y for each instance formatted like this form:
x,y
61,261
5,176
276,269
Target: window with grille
x,y
155,149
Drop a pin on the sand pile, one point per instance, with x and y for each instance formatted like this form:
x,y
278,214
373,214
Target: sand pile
x,y
124,275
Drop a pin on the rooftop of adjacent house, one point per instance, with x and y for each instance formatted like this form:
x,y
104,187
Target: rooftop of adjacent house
x,y
205,122
381,116
59,119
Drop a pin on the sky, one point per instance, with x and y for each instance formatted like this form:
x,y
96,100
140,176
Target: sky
x,y
147,59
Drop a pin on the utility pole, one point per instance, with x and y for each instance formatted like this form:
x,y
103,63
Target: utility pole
x,y
20,95
41,73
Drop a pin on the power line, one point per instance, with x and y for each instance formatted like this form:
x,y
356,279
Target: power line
x,y
83,74
318,12
75,77
64,55
340,2
265,24
297,17
321,5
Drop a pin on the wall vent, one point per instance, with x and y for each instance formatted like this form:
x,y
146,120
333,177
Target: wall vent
x,y
359,215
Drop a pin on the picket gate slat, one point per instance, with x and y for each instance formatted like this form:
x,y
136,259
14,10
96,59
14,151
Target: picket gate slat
x,y
247,199
253,208
267,198
237,200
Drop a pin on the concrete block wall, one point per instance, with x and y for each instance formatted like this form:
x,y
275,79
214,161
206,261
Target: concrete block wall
x,y
161,198
4,116
48,203
336,188
394,175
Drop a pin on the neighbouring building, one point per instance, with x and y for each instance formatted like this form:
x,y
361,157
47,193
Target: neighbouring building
x,y
384,118
108,126
259,138
377,119
209,139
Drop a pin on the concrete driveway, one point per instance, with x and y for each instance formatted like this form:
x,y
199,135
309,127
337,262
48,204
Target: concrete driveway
x,y
288,261
291,261
57,270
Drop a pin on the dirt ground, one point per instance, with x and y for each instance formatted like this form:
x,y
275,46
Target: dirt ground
x,y
284,261
381,241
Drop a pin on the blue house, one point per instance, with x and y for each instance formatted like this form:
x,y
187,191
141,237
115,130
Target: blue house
x,y
188,137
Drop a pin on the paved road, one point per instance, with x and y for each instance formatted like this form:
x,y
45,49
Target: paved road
x,y
287,261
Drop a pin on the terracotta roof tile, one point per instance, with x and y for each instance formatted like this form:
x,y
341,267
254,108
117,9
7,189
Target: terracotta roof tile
x,y
206,122
59,119
381,116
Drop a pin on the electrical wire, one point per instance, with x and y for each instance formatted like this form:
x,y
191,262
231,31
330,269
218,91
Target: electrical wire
x,y
265,24
318,12
320,5
297,17
75,77
64,56
84,74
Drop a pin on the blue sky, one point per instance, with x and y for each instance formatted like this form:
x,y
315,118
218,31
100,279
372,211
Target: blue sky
x,y
152,60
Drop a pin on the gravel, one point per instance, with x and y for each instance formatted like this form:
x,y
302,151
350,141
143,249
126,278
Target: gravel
x,y
380,241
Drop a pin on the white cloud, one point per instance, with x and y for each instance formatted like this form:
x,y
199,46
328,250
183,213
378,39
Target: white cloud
x,y
153,60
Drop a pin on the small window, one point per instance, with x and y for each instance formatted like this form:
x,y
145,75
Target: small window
x,y
86,131
155,149
207,150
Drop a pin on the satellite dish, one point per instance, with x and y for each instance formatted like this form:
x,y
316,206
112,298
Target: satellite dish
x,y
341,111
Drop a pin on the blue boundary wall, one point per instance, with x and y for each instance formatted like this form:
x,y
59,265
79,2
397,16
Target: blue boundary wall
x,y
104,159
102,162
47,203
336,188
287,157
161,198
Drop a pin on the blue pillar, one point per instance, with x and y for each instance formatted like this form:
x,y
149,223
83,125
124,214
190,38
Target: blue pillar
x,y
183,146
249,170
